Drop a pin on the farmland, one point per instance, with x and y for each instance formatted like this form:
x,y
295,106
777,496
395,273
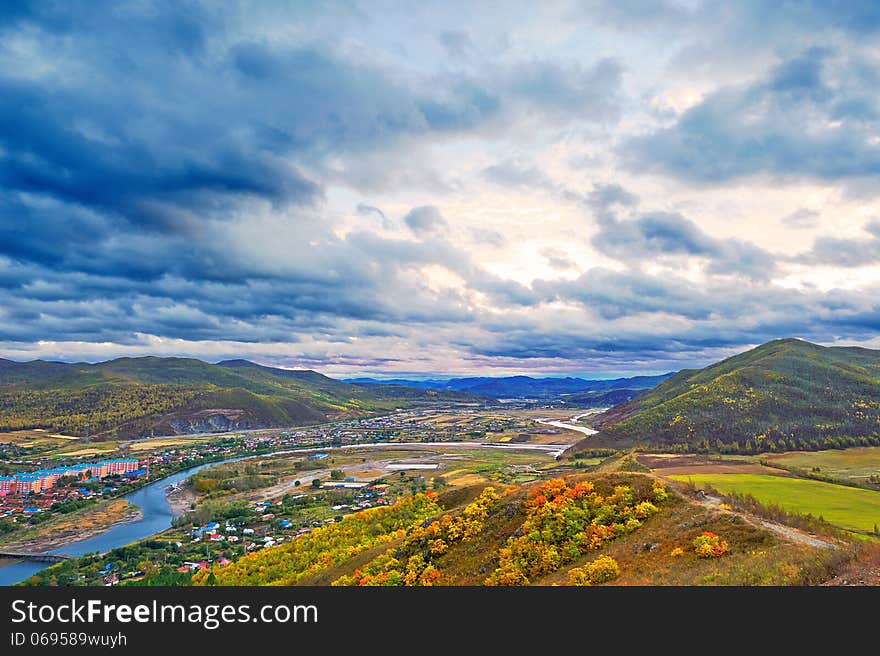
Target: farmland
x,y
857,465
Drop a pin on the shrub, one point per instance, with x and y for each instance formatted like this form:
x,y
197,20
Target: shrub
x,y
601,570
660,493
578,576
709,545
678,551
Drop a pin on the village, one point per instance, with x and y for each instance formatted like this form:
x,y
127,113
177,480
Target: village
x,y
232,531
41,486
25,494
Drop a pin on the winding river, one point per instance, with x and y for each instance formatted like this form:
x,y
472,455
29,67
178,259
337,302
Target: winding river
x,y
157,515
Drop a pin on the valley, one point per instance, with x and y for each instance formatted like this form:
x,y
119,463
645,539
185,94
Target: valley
x,y
211,508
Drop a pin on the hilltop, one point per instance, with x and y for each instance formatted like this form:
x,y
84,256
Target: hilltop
x,y
133,397
785,394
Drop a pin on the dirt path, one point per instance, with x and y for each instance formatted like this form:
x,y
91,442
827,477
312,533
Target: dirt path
x,y
795,535
787,532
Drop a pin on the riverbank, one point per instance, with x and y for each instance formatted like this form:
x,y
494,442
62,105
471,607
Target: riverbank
x,y
75,527
180,499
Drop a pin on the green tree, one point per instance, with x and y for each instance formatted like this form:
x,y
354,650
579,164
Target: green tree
x,y
316,483
337,475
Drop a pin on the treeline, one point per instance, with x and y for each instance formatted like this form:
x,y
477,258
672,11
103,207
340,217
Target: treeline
x,y
764,444
98,409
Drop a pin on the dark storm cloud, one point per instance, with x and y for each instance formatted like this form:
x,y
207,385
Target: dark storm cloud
x,y
797,121
166,170
134,137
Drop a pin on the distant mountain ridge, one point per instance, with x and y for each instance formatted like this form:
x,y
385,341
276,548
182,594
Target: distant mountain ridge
x,y
522,386
783,395
133,397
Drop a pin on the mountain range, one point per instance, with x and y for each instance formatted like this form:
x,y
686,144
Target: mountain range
x,y
133,397
522,387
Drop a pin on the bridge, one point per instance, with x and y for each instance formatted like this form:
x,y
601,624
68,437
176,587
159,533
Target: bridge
x,y
37,557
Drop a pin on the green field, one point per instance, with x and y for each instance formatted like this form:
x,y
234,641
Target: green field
x,y
856,464
846,507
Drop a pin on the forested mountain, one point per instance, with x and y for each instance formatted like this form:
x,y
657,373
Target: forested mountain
x,y
785,394
131,397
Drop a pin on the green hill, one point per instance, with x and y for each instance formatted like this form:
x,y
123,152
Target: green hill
x,y
786,394
132,397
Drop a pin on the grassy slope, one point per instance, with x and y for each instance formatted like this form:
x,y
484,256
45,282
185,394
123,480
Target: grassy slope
x,y
134,396
785,388
847,507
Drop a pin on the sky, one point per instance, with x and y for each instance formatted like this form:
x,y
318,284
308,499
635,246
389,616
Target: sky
x,y
396,188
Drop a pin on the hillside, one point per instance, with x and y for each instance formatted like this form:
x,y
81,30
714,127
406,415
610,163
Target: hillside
x,y
132,397
524,386
786,394
586,529
602,399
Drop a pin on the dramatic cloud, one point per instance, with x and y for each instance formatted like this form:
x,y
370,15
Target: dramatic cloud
x,y
598,186
661,234
809,117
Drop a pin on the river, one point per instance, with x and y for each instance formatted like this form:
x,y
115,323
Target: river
x,y
153,503
157,516
562,424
